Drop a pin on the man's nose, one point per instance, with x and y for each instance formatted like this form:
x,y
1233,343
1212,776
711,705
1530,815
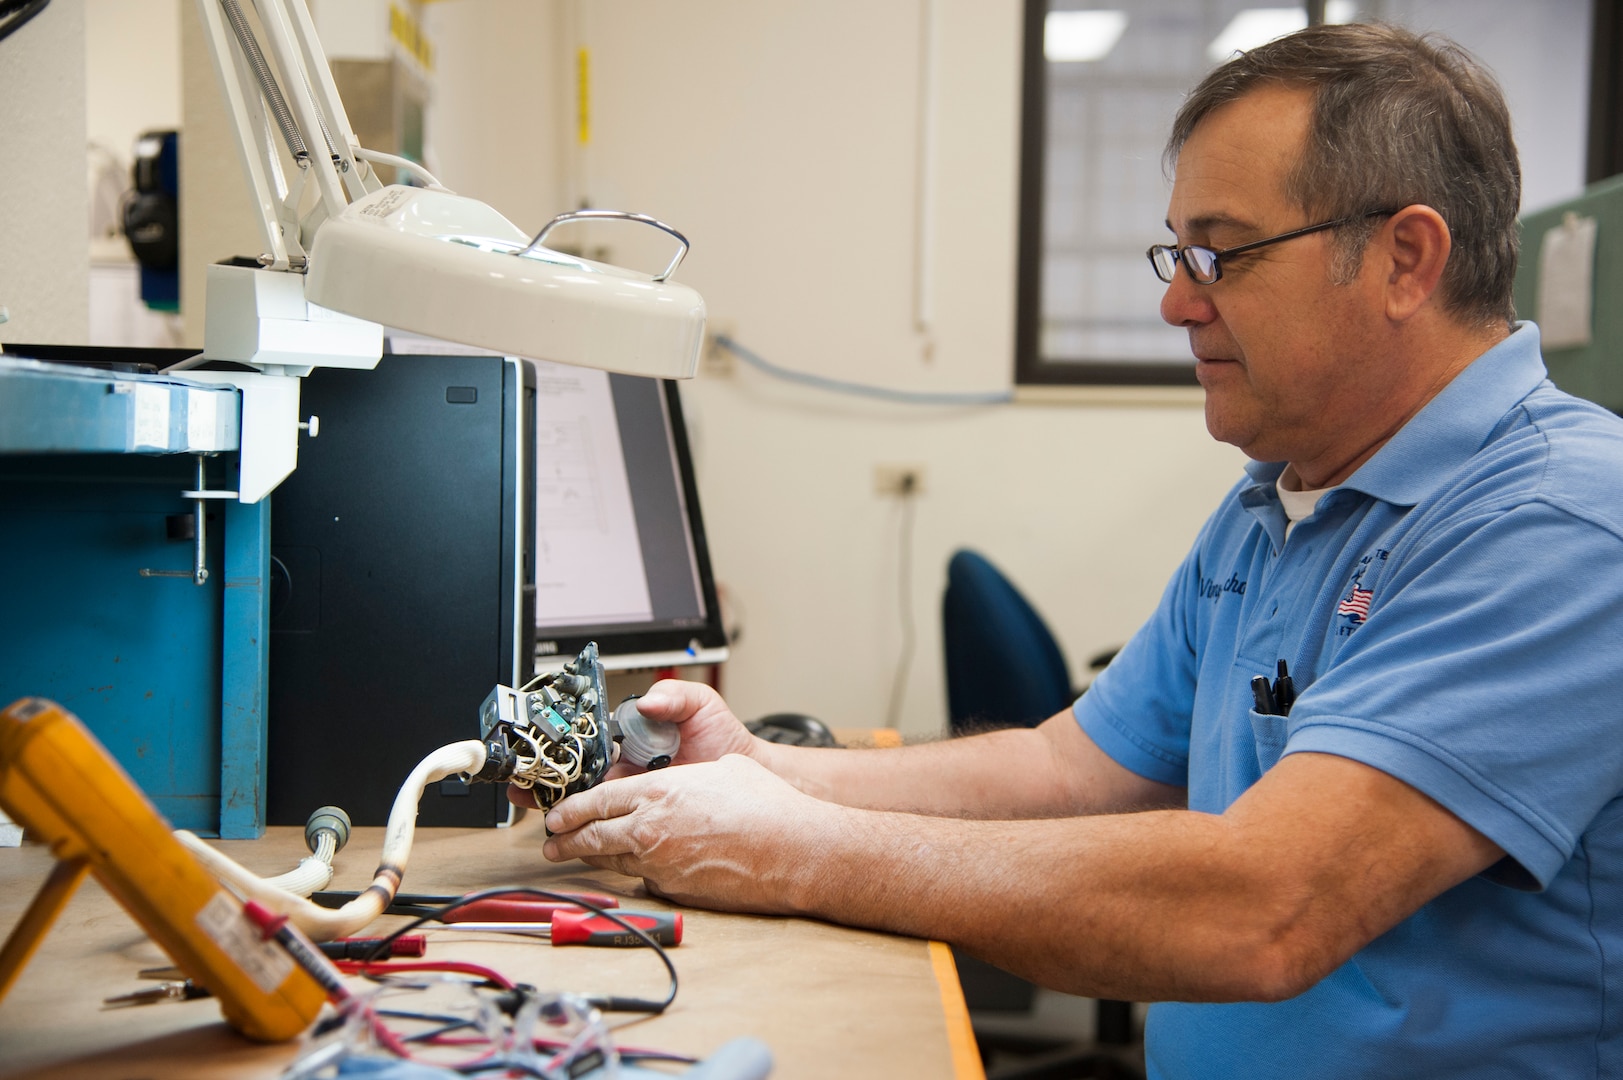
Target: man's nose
x,y
1185,303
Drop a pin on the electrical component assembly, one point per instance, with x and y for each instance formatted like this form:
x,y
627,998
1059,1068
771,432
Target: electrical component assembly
x,y
555,736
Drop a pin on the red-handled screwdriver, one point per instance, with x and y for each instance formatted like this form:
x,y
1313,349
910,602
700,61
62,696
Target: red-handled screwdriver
x,y
498,910
590,928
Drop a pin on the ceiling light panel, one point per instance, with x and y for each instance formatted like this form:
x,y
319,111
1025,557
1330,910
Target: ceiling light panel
x,y
1258,26
1078,36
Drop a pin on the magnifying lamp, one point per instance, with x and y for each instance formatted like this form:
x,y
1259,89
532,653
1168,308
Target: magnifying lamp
x,y
344,255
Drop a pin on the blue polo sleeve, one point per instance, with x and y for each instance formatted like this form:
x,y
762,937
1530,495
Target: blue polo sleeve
x,y
1489,675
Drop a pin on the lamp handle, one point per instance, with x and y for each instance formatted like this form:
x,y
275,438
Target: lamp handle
x,y
618,215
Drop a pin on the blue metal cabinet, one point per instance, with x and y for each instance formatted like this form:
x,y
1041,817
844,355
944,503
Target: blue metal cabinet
x,y
170,675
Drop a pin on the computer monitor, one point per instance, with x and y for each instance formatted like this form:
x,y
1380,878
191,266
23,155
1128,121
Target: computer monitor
x,y
621,557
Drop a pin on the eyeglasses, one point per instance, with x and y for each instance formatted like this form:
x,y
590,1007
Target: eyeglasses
x,y
1204,266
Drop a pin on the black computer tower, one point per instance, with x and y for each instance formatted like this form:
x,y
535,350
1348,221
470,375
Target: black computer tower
x,y
402,582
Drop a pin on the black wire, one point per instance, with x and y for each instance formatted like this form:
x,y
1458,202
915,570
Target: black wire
x,y
656,1055
447,1024
17,12
611,1003
504,1067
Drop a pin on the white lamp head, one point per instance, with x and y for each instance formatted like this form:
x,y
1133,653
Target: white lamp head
x,y
451,267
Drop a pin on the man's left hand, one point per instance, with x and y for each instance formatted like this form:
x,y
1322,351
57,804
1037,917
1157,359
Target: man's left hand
x,y
724,834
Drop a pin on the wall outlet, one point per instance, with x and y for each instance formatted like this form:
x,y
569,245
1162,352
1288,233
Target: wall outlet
x,y
715,361
898,479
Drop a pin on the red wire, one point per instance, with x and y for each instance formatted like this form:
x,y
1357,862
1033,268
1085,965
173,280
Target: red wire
x,y
461,967
392,1042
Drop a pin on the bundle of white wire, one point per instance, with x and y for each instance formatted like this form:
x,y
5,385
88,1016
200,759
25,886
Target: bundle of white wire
x,y
288,894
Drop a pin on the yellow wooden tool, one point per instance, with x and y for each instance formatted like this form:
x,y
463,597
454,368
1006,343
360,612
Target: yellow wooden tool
x,y
60,784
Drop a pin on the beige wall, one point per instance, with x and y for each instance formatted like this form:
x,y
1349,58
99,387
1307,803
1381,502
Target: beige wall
x,y
44,199
132,69
496,116
216,207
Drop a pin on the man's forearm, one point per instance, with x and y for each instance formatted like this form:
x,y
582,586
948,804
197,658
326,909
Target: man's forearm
x,y
1138,907
954,776
1171,904
1017,773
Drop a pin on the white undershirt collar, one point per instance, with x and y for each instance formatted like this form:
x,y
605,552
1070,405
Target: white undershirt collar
x,y
1298,504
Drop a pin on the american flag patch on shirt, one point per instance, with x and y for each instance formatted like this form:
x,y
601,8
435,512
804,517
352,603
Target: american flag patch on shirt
x,y
1356,604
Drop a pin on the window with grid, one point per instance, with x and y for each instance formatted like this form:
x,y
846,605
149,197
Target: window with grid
x,y
1102,81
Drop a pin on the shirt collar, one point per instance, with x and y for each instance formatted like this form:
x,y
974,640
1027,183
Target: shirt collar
x,y
1448,429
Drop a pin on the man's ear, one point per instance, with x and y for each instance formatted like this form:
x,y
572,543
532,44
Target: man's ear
x,y
1417,242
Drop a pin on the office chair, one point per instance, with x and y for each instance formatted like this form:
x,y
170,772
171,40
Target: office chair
x,y
1005,668
989,629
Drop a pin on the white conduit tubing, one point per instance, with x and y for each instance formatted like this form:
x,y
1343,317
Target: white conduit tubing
x,y
325,924
313,872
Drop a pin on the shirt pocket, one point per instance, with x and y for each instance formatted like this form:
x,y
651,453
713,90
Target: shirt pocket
x,y
1268,734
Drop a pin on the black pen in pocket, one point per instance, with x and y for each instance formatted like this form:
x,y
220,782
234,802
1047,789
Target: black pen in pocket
x,y
1284,690
1263,695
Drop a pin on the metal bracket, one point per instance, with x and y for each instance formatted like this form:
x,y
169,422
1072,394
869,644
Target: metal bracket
x,y
199,573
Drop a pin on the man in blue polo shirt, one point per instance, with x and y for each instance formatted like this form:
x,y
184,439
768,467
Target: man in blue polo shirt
x,y
1348,804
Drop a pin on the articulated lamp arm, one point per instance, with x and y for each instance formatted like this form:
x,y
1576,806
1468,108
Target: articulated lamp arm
x,y
345,256
287,80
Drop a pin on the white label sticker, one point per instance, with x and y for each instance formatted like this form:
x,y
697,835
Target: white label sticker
x,y
151,421
385,205
265,962
201,420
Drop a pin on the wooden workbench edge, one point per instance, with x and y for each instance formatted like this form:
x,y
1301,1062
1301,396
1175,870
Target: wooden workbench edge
x,y
966,1055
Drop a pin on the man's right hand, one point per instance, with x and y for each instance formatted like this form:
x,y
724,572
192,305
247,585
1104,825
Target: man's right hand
x,y
709,729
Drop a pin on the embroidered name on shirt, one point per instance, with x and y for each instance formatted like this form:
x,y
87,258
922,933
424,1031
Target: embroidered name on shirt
x,y
1211,590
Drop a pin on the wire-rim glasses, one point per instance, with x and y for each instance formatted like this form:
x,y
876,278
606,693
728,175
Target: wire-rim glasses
x,y
1205,266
